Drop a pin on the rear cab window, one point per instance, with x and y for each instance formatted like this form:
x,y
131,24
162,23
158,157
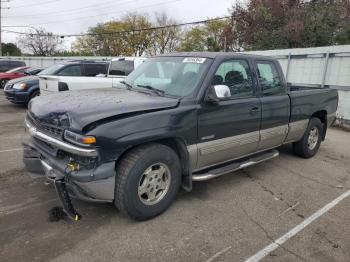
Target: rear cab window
x,y
269,78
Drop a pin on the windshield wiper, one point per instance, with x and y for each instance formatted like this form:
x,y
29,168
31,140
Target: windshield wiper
x,y
156,90
127,84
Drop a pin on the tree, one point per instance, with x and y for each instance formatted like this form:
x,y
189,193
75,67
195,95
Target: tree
x,y
100,40
270,24
10,49
164,40
118,37
267,24
343,37
40,42
193,40
208,37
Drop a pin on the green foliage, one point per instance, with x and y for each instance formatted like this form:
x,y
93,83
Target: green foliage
x,y
208,37
10,49
343,37
270,24
131,41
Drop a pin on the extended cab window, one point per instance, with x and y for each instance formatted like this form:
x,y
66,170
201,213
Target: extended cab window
x,y
237,76
73,70
269,78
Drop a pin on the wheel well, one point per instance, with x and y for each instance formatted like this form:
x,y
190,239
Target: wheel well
x,y
179,146
322,115
34,93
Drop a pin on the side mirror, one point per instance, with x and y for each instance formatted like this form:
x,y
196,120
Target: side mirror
x,y
218,92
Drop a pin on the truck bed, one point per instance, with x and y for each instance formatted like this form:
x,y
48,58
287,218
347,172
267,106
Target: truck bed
x,y
308,99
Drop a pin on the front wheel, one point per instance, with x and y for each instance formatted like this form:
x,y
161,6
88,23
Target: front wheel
x,y
148,179
3,82
309,144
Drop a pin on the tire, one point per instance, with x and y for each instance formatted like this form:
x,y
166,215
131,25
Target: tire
x,y
3,83
309,144
140,171
33,95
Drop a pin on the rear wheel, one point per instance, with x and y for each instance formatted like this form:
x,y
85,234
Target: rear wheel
x,y
148,179
310,143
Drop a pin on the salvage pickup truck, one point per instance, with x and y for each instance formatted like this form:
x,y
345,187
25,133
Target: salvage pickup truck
x,y
176,119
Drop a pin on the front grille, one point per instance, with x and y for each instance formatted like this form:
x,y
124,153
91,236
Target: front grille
x,y
46,128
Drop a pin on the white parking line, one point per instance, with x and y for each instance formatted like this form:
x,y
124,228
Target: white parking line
x,y
211,259
268,249
11,150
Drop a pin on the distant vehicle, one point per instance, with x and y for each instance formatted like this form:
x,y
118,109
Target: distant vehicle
x,y
22,90
176,119
81,75
6,64
16,73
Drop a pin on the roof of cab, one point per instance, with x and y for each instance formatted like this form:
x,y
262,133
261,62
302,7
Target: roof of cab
x,y
214,55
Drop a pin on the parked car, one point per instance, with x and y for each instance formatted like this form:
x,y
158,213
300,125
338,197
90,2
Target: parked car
x,y
6,64
17,73
74,76
176,119
22,90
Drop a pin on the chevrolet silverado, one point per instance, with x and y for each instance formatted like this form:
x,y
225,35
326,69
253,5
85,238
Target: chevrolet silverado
x,y
176,119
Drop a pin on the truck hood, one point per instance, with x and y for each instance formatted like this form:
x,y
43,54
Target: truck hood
x,y
77,109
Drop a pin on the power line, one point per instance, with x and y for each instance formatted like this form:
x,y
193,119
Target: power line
x,y
105,14
34,4
125,31
74,10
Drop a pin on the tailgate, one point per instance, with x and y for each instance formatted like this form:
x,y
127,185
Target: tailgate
x,y
48,84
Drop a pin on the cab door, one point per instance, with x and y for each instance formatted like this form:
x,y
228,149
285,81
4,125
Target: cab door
x,y
275,104
229,129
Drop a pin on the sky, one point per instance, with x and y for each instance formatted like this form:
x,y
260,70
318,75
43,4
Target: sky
x,y
76,16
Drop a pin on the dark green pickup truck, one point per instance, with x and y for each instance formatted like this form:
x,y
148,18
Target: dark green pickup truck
x,y
176,119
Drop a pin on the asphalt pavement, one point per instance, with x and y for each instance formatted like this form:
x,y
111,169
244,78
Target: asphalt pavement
x,y
231,218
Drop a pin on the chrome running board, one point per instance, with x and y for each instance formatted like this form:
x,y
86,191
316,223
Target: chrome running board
x,y
237,165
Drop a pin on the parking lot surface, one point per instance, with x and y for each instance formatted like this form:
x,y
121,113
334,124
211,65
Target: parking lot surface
x,y
230,218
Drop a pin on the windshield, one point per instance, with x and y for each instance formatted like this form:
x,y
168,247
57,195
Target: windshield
x,y
174,76
52,70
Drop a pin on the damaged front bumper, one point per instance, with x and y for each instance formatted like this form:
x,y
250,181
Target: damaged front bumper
x,y
45,156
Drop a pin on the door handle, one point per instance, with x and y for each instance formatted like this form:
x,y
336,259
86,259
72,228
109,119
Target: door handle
x,y
254,109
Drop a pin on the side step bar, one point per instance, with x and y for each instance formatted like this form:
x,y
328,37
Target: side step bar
x,y
240,164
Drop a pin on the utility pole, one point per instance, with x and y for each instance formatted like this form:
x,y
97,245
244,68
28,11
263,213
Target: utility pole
x,y
0,29
0,22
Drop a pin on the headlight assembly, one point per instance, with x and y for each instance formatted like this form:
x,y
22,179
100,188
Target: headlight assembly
x,y
78,139
20,86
